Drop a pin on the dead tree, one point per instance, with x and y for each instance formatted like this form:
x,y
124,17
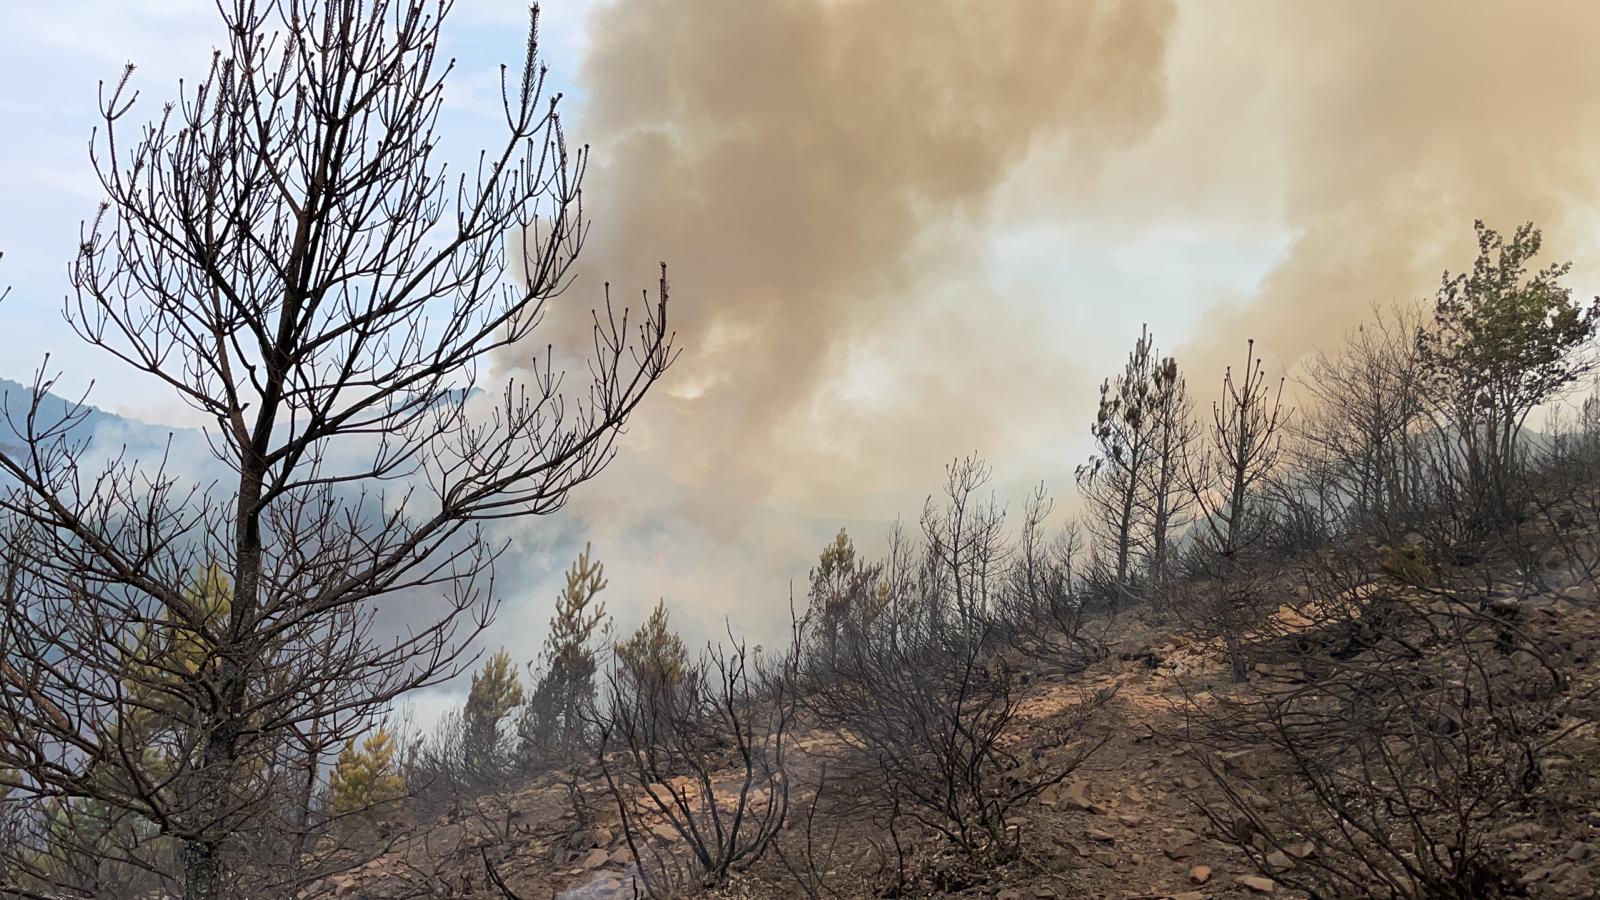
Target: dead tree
x,y
1399,741
1363,427
696,765
1244,447
1042,610
965,541
282,249
1113,479
1164,498
810,862
1426,694
931,730
925,707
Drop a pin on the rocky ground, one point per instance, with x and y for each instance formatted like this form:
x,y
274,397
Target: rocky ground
x,y
1127,824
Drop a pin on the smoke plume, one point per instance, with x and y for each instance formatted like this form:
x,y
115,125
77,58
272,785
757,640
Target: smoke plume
x,y
826,179
814,172
1401,124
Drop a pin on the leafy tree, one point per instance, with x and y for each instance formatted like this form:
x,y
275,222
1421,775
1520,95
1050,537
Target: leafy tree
x,y
495,694
1502,341
554,721
366,776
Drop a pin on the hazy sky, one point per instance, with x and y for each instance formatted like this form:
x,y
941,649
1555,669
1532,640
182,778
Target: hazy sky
x,y
903,230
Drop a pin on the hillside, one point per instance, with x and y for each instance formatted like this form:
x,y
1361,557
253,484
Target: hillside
x,y
105,433
1146,815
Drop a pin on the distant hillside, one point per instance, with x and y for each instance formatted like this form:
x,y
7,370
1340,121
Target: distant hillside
x,y
106,433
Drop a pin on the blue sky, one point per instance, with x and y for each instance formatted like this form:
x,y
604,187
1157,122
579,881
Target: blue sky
x,y
53,57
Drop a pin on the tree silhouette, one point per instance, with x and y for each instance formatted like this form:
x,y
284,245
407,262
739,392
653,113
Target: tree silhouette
x,y
283,250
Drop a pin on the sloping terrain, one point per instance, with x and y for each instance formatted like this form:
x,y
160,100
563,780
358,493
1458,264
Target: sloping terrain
x,y
1131,822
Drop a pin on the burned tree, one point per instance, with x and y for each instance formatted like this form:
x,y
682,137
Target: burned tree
x,y
696,765
1245,444
1244,447
1363,429
1164,498
1125,444
924,705
1420,700
1403,736
282,249
1042,610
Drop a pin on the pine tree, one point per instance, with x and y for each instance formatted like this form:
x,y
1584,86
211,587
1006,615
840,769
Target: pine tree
x,y
173,660
366,776
1124,449
553,723
495,694
655,654
173,653
843,592
1163,495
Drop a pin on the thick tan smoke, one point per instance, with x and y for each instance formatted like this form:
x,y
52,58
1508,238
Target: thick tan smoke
x,y
826,178
819,173
1398,124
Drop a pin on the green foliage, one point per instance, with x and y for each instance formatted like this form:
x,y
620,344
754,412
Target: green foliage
x,y
655,654
845,593
1408,564
366,776
172,654
75,837
166,675
553,722
494,694
1504,340
9,778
